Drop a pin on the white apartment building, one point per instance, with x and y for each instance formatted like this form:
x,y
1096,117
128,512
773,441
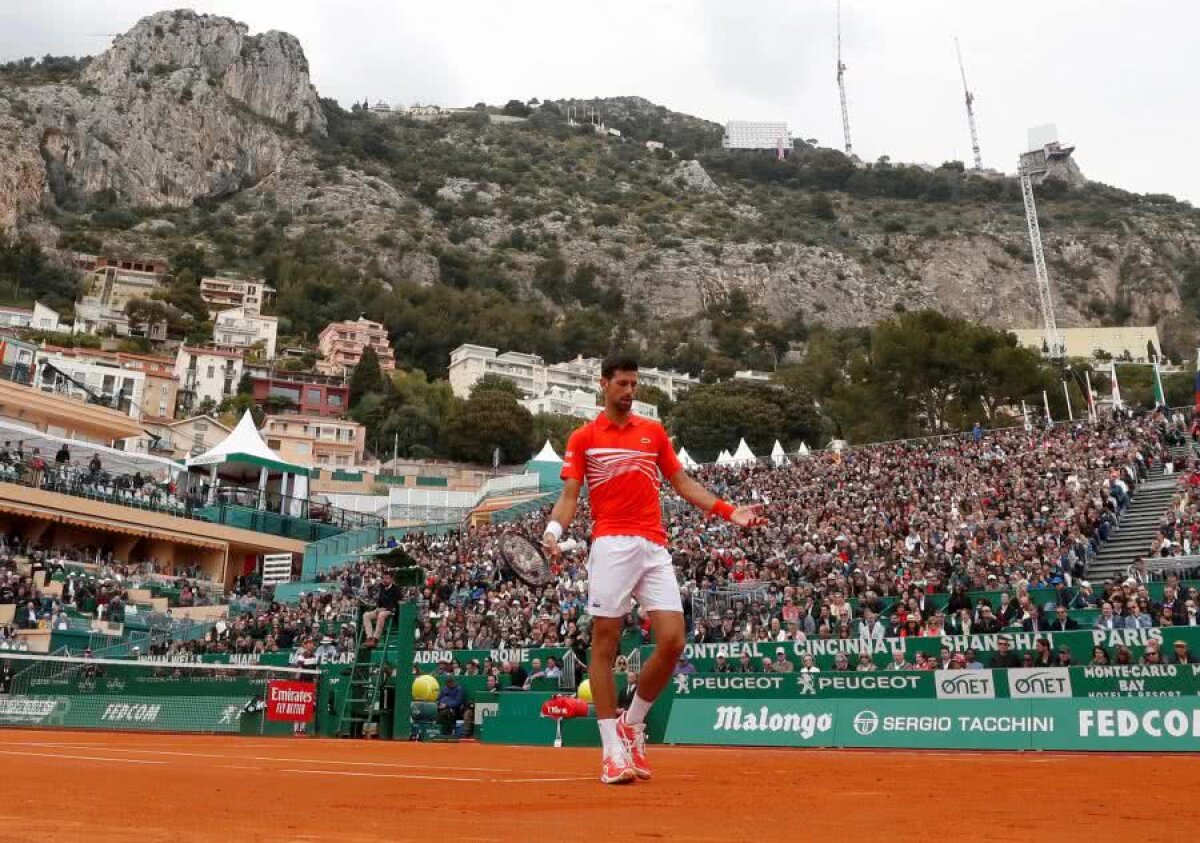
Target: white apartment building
x,y
751,134
578,403
240,328
224,292
469,363
40,318
206,373
94,381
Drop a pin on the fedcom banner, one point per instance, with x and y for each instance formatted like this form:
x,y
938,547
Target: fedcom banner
x,y
1141,725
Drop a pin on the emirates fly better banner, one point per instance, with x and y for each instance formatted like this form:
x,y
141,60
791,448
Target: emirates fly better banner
x,y
290,701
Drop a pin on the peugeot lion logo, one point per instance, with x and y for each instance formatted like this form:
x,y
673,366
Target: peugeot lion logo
x,y
866,722
681,684
806,684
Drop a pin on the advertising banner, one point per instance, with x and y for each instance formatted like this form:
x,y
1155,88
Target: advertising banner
x,y
290,701
821,685
1141,725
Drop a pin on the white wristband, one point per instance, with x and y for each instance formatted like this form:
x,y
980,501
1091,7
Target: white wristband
x,y
555,529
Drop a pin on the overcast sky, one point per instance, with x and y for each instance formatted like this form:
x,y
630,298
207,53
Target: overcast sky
x,y
1118,77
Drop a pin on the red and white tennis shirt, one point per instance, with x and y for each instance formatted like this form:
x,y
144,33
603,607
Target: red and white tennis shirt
x,y
621,466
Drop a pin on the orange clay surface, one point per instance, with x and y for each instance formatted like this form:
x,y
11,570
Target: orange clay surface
x,y
109,786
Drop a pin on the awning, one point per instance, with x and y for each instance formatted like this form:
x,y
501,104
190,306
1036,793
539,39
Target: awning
x,y
106,525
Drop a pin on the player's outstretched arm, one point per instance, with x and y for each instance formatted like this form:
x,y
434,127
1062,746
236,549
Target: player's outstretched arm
x,y
561,515
704,500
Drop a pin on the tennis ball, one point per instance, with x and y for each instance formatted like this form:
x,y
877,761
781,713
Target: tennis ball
x,y
585,691
425,688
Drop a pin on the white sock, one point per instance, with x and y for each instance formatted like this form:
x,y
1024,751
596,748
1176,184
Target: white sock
x,y
613,746
637,711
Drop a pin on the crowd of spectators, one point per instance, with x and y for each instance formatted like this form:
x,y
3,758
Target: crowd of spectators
x,y
856,542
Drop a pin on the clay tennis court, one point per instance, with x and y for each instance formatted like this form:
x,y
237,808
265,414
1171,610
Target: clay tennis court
x,y
88,786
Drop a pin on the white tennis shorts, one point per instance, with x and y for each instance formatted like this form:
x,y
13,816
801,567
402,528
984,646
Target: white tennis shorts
x,y
623,567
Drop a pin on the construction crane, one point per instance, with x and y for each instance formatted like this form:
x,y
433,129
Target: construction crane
x,y
1032,164
841,70
970,109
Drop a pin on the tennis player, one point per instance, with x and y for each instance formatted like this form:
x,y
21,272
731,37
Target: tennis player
x,y
620,456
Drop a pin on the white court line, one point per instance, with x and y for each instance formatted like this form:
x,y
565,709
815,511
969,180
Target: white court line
x,y
236,757
384,775
435,778
81,757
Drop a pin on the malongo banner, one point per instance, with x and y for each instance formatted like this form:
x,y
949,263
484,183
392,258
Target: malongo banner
x,y
1143,725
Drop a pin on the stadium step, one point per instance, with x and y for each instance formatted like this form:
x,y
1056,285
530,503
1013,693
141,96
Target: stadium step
x,y
1137,526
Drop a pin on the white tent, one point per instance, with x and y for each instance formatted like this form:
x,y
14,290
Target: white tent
x,y
743,454
547,454
685,459
243,456
803,450
725,458
778,457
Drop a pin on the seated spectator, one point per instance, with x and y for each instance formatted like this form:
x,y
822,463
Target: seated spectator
x,y
1004,656
451,702
1099,657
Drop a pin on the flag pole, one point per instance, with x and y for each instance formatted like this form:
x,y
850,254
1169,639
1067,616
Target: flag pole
x,y
1091,399
1067,395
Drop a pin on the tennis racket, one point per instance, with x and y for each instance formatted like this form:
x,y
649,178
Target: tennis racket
x,y
526,559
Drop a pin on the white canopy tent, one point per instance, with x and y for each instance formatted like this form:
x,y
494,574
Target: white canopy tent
x,y
243,456
802,451
725,458
743,454
685,459
778,456
547,454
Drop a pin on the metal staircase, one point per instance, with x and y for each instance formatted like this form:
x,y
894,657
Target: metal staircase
x,y
1139,523
361,707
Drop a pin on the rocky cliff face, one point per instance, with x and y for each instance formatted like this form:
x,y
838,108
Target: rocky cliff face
x,y
180,108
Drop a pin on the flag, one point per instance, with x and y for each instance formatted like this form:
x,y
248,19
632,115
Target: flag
x,y
1091,398
1025,415
1046,404
1160,397
1198,380
1116,388
1067,395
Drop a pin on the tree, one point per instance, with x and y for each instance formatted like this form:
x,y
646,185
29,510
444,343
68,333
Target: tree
x,y
516,108
367,377
488,420
657,397
492,382
235,406
710,418
555,428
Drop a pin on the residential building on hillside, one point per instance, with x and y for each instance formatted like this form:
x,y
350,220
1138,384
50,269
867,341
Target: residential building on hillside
x,y
342,345
17,358
160,386
309,394
99,382
578,403
316,441
92,317
1129,343
753,134
206,373
37,318
531,374
224,292
241,329
112,282
184,438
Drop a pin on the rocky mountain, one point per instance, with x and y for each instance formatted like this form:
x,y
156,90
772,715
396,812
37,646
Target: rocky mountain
x,y
190,134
